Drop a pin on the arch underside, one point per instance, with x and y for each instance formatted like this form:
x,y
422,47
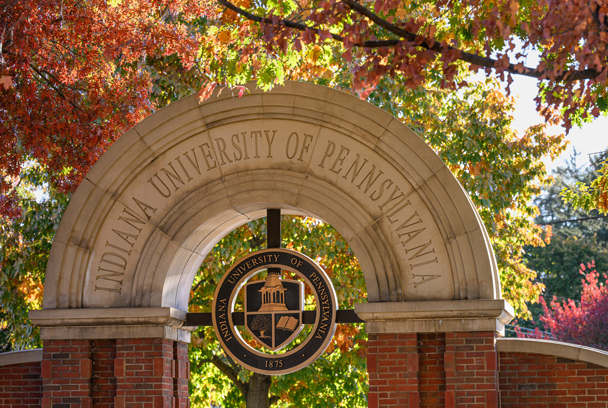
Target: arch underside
x,y
162,196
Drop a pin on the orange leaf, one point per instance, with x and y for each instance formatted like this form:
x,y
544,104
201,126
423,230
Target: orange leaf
x,y
224,36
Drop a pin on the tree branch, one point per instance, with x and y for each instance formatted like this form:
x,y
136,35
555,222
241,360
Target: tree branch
x,y
229,372
41,75
8,29
211,282
266,20
420,41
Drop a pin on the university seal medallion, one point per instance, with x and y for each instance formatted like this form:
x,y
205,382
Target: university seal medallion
x,y
274,339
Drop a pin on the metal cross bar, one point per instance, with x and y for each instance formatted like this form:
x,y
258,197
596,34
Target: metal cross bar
x,y
238,318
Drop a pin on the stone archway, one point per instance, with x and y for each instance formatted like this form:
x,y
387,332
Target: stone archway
x,y
171,187
162,196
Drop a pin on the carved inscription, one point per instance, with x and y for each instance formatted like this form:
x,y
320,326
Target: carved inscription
x,y
263,144
222,151
175,174
114,261
325,304
389,198
223,320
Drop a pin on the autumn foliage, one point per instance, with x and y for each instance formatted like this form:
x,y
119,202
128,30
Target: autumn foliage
x,y
581,322
563,44
74,79
74,75
393,37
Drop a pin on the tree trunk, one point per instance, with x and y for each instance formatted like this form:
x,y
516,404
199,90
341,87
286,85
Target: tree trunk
x,y
258,391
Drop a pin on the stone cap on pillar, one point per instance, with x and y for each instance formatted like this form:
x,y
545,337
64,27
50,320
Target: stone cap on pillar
x,y
111,323
436,316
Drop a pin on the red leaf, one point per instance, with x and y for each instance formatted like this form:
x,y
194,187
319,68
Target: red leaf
x,y
6,82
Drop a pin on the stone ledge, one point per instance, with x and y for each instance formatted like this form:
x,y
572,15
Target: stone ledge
x,y
436,316
570,351
20,357
111,323
108,316
115,332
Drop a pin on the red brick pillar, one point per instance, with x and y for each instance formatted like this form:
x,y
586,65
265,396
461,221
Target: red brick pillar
x,y
181,375
66,374
392,363
103,383
137,373
137,359
144,373
433,354
471,370
432,377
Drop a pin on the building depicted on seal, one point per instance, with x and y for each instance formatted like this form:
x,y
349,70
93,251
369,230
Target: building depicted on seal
x,y
273,294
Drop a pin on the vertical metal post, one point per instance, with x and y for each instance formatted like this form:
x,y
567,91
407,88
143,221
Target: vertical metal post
x,y
273,227
273,232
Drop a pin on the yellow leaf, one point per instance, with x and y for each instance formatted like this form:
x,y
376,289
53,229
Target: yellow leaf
x,y
315,53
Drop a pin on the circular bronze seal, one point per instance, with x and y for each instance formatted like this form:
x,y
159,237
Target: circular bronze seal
x,y
273,311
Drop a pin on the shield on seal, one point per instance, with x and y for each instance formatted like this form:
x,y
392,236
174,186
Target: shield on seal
x,y
273,310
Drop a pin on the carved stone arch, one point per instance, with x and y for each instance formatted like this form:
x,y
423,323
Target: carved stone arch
x,y
160,198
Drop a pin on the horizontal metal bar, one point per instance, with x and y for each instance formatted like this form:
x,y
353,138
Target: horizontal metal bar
x,y
348,316
238,318
198,319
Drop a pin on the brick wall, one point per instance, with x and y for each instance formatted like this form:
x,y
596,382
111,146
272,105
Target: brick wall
x,y
406,370
474,370
534,381
20,384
